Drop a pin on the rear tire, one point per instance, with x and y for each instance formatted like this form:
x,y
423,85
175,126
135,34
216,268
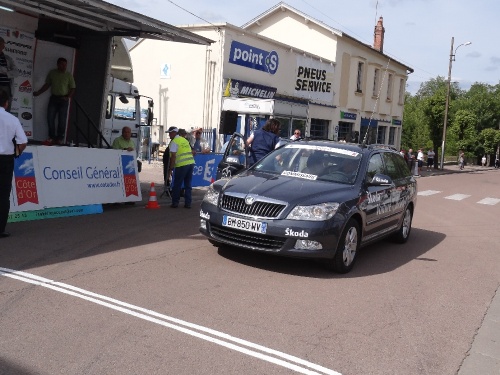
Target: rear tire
x,y
347,249
402,235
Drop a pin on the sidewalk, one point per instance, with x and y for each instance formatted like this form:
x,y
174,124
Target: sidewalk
x,y
453,168
484,355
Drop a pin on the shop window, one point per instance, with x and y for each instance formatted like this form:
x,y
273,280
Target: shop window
x,y
285,124
381,134
254,123
392,135
319,129
345,131
371,137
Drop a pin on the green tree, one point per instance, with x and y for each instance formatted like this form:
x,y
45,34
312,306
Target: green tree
x,y
473,118
462,133
488,141
414,125
483,103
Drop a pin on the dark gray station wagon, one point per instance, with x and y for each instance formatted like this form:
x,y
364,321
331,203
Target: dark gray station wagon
x,y
312,199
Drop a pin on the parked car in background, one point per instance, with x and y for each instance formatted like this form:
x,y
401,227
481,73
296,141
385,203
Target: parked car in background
x,y
312,199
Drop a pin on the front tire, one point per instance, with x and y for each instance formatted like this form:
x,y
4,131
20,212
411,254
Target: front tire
x,y
402,235
347,249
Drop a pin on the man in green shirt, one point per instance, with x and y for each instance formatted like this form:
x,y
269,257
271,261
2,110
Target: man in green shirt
x,y
124,142
62,86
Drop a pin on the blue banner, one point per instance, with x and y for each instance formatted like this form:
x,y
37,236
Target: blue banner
x,y
205,169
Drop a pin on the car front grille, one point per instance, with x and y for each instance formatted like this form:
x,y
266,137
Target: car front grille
x,y
257,208
247,239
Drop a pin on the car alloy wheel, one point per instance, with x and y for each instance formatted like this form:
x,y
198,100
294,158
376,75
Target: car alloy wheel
x,y
347,248
402,235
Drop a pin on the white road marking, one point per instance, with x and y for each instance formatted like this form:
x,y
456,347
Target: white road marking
x,y
489,201
426,193
457,197
294,363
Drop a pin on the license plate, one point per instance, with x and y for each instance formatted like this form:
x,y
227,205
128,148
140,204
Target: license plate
x,y
243,224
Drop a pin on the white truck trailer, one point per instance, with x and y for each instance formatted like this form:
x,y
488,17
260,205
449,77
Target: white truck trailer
x,y
88,33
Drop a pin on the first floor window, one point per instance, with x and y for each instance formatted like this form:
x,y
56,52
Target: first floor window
x,y
392,135
381,134
319,129
345,131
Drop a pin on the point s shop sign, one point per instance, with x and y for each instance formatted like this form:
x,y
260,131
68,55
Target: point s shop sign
x,y
253,57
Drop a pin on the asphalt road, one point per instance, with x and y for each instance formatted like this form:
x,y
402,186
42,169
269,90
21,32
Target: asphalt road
x,y
139,291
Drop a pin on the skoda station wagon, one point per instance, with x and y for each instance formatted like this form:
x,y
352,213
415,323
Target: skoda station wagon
x,y
312,199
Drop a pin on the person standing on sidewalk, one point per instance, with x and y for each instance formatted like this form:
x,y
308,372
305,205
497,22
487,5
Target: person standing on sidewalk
x,y
461,159
62,86
420,161
10,131
181,164
430,159
410,159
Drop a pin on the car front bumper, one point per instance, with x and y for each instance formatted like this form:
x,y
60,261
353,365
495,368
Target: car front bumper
x,y
303,239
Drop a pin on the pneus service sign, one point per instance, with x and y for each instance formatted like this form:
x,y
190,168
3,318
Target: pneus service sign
x,y
47,177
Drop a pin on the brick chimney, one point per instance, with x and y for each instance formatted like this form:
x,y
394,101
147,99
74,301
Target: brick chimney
x,y
378,42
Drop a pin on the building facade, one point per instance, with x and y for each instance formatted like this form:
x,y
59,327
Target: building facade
x,y
282,64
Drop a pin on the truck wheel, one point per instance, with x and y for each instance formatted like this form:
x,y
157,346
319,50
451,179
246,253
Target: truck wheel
x,y
401,236
347,249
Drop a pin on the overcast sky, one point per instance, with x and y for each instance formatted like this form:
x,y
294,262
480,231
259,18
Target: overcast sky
x,y
417,32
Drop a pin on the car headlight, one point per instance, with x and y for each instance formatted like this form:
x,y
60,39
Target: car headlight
x,y
211,196
317,212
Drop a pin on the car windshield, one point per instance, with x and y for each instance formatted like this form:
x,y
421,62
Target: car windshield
x,y
312,162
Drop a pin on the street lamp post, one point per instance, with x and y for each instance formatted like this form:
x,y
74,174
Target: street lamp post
x,y
452,58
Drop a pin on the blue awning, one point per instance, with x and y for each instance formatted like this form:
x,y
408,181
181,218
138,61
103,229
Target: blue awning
x,y
370,123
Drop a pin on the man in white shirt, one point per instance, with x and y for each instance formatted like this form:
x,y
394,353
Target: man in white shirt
x,y
420,160
296,135
10,130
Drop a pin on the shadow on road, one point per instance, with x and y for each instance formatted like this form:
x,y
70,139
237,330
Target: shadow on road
x,y
378,258
7,367
42,242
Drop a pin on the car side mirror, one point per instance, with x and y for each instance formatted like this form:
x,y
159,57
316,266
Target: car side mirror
x,y
380,180
233,160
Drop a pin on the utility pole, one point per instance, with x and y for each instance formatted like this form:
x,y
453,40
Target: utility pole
x,y
447,104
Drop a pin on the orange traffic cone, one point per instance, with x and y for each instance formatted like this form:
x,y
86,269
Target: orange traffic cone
x,y
152,203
